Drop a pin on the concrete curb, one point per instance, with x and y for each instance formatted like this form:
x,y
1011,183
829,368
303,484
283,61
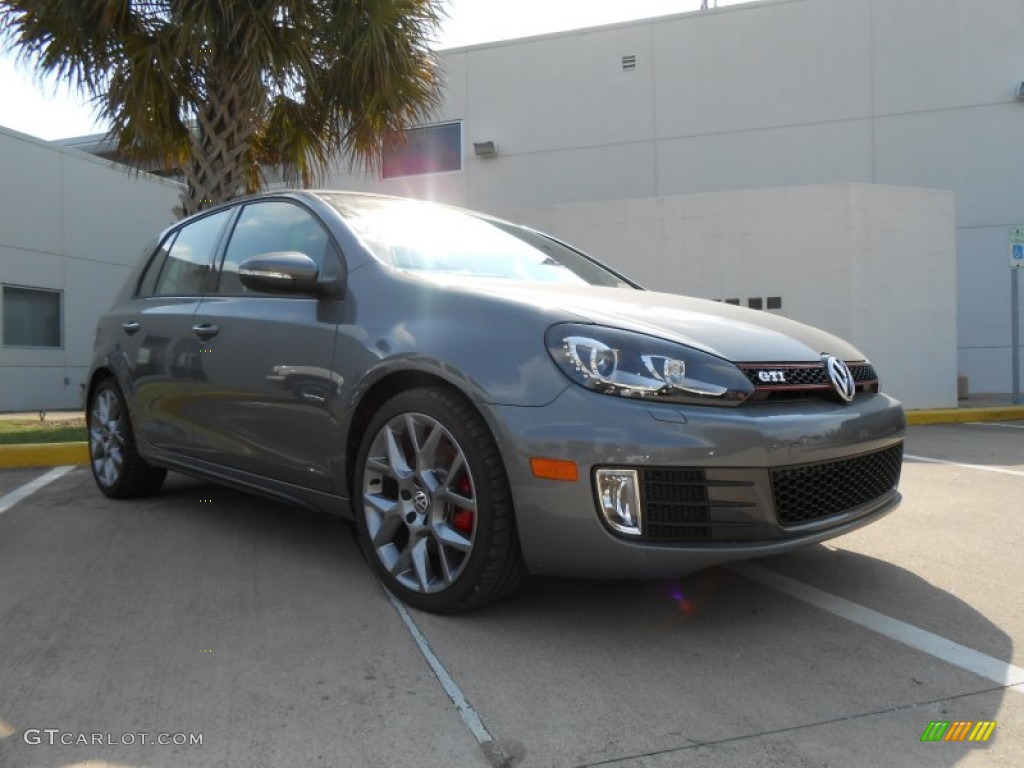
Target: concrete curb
x,y
961,415
43,454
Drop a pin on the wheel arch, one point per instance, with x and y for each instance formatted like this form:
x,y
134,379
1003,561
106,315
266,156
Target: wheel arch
x,y
380,392
100,374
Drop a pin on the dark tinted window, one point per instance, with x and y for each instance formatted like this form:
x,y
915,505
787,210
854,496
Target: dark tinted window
x,y
190,257
273,226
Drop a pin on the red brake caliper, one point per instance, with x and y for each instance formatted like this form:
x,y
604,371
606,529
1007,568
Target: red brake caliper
x,y
462,519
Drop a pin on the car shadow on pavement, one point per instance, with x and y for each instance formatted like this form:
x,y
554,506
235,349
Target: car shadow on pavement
x,y
715,658
216,508
712,595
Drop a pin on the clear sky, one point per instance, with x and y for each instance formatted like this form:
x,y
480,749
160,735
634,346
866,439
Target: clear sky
x,y
50,111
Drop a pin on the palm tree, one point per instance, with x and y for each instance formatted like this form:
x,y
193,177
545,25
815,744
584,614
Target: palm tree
x,y
221,90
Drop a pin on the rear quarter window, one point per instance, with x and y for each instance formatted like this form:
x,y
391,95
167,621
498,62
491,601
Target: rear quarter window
x,y
156,263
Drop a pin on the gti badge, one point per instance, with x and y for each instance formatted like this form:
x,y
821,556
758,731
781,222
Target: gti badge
x,y
840,376
772,377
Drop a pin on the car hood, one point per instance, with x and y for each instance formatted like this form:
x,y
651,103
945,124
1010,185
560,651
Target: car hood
x,y
730,332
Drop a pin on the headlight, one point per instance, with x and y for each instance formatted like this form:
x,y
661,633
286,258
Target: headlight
x,y
628,364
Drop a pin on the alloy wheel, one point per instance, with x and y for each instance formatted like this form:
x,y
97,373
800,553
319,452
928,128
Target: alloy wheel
x,y
106,437
419,503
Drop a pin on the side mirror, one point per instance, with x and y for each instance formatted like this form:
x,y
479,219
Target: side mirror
x,y
282,272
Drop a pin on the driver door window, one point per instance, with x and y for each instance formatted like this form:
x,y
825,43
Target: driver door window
x,y
273,226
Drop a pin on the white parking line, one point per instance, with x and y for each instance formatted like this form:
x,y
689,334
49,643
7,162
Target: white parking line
x,y
10,499
466,711
979,467
922,640
994,424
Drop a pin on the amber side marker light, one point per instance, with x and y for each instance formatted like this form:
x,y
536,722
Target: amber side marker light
x,y
555,469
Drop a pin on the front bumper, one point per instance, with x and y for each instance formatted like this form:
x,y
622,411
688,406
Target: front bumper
x,y
737,453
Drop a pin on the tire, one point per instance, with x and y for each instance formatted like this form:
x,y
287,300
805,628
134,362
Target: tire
x,y
118,469
433,504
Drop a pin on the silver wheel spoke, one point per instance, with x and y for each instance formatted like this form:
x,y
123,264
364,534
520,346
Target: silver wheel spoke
x,y
461,501
382,505
383,529
410,430
391,558
399,467
379,465
109,473
103,407
457,464
449,537
427,458
421,563
402,562
446,568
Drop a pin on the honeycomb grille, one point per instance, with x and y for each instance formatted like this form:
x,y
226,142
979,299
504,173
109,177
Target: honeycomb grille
x,y
806,376
814,491
675,504
863,372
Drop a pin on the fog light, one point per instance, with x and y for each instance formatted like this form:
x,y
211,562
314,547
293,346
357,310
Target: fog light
x,y
618,496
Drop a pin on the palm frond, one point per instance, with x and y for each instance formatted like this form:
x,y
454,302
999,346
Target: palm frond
x,y
221,89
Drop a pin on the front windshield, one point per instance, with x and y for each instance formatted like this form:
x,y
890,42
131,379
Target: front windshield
x,y
424,237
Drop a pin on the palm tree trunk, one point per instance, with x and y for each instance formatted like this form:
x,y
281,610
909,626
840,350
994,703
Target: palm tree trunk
x,y
219,167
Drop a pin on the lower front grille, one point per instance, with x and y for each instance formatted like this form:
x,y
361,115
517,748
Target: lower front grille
x,y
811,492
675,504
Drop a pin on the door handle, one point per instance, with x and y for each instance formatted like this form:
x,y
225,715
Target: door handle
x,y
205,330
130,326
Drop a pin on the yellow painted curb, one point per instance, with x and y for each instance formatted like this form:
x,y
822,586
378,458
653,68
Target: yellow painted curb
x,y
960,415
63,454
44,454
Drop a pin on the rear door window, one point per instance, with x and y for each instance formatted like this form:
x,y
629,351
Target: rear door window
x,y
190,257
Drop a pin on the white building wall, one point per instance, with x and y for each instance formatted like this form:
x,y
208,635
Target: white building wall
x,y
916,93
840,257
72,223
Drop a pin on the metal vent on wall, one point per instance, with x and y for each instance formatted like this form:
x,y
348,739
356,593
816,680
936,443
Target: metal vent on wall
x,y
628,63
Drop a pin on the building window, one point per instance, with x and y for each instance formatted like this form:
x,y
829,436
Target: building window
x,y
431,149
31,317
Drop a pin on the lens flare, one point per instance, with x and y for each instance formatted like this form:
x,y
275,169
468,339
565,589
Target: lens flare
x,y
694,597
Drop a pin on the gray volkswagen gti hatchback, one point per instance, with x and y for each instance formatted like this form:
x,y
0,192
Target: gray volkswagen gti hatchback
x,y
483,400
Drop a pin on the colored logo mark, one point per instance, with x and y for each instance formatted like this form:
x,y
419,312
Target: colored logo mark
x,y
1018,251
958,730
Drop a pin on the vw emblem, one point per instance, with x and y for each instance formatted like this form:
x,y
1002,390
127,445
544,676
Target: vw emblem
x,y
421,501
841,378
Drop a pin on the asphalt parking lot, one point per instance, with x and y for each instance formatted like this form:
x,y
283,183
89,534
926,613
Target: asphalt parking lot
x,y
259,628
